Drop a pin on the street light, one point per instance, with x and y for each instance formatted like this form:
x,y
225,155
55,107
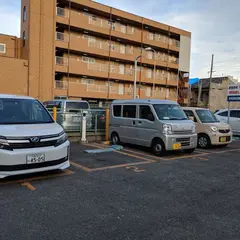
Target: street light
x,y
135,71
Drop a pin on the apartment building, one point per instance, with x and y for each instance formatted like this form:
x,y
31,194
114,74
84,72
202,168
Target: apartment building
x,y
81,49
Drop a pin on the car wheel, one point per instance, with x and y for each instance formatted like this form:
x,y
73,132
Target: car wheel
x,y
158,147
204,141
189,150
115,139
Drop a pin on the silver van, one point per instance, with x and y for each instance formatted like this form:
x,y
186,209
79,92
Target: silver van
x,y
159,124
69,113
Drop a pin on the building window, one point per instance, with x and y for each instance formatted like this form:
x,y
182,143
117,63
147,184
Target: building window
x,y
87,81
24,13
131,29
24,38
61,12
148,92
88,60
150,36
60,97
2,48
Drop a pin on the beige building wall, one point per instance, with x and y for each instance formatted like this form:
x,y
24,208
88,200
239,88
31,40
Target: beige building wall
x,y
40,42
13,76
12,46
218,97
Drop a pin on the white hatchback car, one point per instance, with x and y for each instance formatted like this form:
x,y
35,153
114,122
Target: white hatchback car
x,y
30,140
234,120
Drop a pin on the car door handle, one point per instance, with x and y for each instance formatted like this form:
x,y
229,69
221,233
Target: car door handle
x,y
140,122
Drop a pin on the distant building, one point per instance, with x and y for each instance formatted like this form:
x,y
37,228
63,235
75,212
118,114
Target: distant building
x,y
218,92
81,49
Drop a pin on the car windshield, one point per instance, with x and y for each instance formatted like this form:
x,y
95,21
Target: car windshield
x,y
206,116
169,112
76,106
23,111
50,104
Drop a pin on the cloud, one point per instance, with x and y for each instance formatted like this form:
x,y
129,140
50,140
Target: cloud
x,y
214,25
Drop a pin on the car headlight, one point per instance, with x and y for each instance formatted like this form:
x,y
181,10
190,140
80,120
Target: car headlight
x,y
167,129
213,128
4,144
63,138
193,128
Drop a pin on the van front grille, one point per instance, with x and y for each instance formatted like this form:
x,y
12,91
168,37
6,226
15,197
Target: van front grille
x,y
184,132
33,145
224,130
185,142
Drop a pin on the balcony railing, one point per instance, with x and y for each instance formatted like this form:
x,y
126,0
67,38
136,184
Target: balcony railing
x,y
63,61
61,84
62,37
62,12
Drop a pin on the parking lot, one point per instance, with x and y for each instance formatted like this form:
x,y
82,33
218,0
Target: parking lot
x,y
127,194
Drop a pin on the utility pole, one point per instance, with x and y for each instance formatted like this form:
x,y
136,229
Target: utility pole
x,y
210,81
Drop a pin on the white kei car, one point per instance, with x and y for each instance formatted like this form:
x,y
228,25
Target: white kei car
x,y
30,140
234,119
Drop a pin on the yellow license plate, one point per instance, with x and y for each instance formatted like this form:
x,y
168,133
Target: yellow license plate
x,y
176,146
223,139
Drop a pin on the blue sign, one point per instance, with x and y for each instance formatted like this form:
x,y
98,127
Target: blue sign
x,y
234,98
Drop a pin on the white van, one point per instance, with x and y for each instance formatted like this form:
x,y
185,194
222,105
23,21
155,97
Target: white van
x,y
30,140
160,124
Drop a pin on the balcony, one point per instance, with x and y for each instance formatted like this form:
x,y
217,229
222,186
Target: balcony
x,y
76,89
60,88
161,79
161,41
88,44
101,70
90,22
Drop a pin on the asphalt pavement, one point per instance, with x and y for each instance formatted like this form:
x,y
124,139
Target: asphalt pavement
x,y
127,195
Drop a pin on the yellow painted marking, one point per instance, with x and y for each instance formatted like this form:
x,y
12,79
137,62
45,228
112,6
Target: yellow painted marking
x,y
28,185
143,154
123,153
80,166
203,159
120,166
186,156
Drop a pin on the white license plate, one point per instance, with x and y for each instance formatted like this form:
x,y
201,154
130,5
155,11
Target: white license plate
x,y
35,158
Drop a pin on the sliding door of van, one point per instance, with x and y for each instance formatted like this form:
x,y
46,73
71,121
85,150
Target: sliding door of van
x,y
129,124
145,125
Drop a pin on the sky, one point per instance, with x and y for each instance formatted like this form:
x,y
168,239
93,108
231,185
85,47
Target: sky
x,y
214,25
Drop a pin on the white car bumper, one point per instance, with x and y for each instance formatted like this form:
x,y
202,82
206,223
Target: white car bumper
x,y
15,162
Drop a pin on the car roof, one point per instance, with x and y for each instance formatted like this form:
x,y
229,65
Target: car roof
x,y
65,100
144,101
194,108
9,96
225,109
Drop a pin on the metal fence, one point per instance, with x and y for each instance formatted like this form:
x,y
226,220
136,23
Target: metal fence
x,y
72,121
